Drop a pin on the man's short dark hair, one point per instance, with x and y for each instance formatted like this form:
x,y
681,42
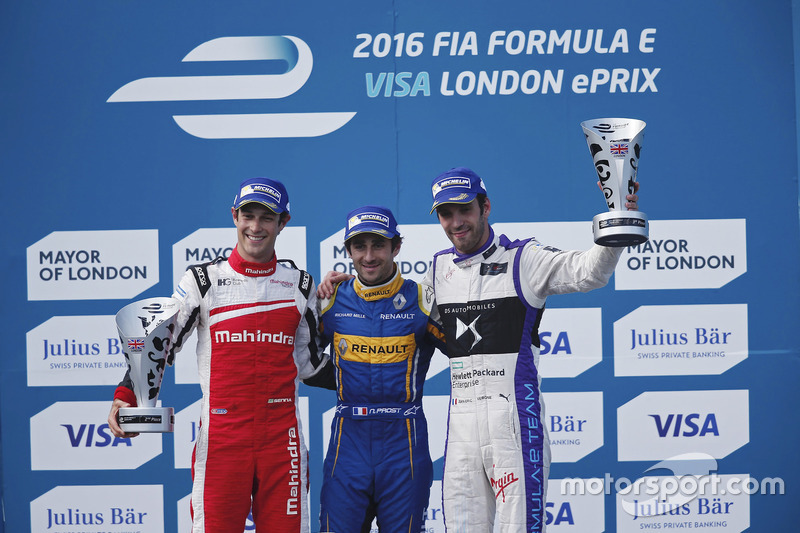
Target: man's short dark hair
x,y
481,201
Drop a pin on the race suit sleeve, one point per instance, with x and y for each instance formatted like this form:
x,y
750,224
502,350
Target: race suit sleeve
x,y
308,345
325,378
189,292
435,333
545,270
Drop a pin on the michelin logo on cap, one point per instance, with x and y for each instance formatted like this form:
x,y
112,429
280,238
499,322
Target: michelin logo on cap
x,y
368,217
458,185
371,219
265,191
446,184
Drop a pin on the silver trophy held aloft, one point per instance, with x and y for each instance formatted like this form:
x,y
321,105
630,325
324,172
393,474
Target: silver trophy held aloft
x,y
615,144
145,329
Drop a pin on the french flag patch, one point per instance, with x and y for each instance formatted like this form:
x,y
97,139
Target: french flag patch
x,y
359,411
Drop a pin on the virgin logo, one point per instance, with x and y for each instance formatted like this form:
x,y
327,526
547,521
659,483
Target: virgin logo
x,y
499,485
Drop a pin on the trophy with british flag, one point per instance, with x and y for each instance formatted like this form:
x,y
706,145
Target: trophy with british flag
x,y
146,331
615,144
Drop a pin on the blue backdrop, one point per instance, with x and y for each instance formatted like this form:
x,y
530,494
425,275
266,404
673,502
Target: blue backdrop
x,y
366,103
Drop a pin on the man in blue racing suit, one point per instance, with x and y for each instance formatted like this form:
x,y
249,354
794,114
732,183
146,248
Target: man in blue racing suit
x,y
378,463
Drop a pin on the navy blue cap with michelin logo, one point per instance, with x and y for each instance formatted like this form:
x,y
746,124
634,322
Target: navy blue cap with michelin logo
x,y
456,186
370,219
267,192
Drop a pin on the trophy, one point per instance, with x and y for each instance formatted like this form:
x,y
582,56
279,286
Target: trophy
x,y
145,329
615,144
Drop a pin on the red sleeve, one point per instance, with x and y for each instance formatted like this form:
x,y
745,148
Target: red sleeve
x,y
126,395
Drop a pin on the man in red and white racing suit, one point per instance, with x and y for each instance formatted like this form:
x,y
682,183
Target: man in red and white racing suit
x,y
256,322
490,294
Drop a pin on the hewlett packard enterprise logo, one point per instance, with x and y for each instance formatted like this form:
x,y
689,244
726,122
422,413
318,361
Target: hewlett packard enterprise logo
x,y
295,52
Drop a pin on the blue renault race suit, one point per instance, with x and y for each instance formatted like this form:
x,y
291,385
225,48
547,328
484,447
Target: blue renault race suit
x,y
378,463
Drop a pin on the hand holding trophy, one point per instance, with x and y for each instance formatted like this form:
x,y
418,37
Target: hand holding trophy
x,y
145,329
615,144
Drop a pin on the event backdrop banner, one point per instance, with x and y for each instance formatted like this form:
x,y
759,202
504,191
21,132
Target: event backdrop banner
x,y
127,127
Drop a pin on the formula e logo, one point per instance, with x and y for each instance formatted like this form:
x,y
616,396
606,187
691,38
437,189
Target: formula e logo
x,y
292,50
153,308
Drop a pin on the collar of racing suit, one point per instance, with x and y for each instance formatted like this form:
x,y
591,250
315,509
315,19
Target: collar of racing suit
x,y
371,293
254,270
483,254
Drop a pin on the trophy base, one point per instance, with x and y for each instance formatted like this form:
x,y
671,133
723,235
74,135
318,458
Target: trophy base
x,y
618,229
147,419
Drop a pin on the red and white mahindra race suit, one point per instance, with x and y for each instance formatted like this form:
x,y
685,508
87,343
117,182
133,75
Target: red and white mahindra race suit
x,y
257,336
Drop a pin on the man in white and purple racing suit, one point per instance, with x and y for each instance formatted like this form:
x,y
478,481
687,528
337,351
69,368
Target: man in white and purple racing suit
x,y
490,294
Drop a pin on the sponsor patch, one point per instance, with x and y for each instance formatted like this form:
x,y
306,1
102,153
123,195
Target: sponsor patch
x,y
493,269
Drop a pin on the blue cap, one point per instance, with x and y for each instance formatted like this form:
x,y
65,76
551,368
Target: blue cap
x,y
370,219
267,192
456,186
